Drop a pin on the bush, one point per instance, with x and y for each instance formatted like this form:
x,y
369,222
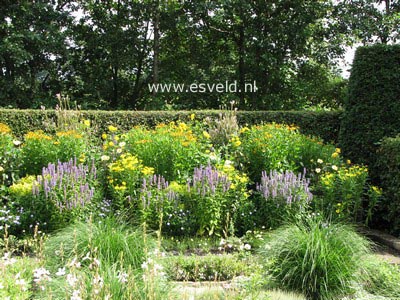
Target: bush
x,y
209,202
343,190
281,197
322,124
38,150
372,107
9,156
319,259
173,150
59,196
205,268
280,147
388,162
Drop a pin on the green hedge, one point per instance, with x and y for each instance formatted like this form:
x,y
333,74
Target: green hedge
x,y
388,163
372,109
323,124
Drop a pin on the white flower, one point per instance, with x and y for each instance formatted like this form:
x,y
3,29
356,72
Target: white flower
x,y
21,282
318,170
335,168
41,274
17,143
104,158
61,272
97,280
122,144
320,161
72,279
247,247
119,150
122,277
75,263
75,295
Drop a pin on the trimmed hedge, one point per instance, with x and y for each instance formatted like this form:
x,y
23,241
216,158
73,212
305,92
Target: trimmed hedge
x,y
322,124
372,109
388,163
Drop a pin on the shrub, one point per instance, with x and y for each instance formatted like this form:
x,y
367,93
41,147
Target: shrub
x,y
38,150
172,150
59,196
205,268
388,162
281,196
343,191
319,259
372,107
9,156
280,147
324,124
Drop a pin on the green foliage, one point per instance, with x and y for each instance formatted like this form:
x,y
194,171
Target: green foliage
x,y
281,197
372,107
388,164
324,124
62,194
205,268
38,150
109,240
380,277
342,193
279,147
9,157
319,259
172,150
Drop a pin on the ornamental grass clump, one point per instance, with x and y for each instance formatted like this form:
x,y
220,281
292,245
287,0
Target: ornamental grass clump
x,y
316,258
282,196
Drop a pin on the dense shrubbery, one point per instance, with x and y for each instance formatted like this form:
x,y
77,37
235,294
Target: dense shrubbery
x,y
372,107
324,124
388,163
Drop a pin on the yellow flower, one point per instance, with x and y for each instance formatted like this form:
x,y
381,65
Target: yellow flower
x,y
147,171
1,169
4,128
338,211
335,154
206,134
86,123
337,150
112,128
192,116
348,162
104,136
110,144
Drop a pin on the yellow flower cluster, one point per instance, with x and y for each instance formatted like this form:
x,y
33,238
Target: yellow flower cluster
x,y
4,128
126,162
37,135
235,140
336,153
23,187
69,133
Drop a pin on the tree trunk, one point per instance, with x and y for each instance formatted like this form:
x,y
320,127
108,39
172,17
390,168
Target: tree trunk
x,y
156,49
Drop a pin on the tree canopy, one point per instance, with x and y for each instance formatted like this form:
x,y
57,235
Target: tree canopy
x,y
104,54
